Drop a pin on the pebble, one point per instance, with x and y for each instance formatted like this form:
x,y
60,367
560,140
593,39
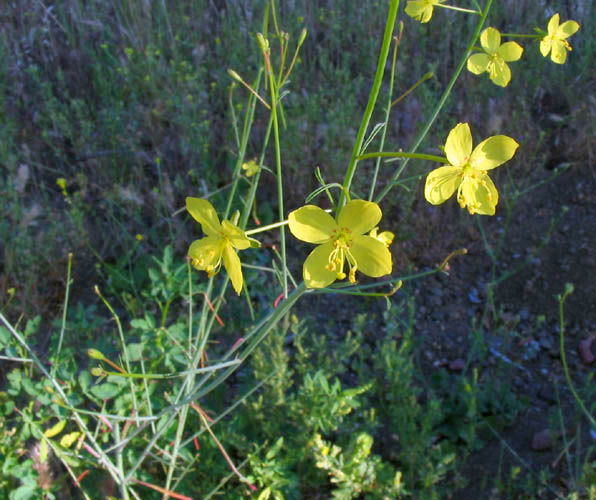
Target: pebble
x,y
457,365
542,440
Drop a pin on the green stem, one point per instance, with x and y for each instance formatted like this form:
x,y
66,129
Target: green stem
x,y
399,154
124,350
519,35
441,102
370,106
373,184
459,9
63,327
280,191
265,228
426,76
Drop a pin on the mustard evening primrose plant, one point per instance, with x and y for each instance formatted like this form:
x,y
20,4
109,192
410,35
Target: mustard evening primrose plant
x,y
219,245
496,56
340,241
555,41
466,171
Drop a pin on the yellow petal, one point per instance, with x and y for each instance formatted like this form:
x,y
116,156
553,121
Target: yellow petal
x,y
559,52
236,236
510,51
231,262
314,271
441,183
493,152
372,256
204,213
421,10
490,39
359,216
545,45
480,194
567,29
458,146
386,237
311,224
206,252
553,24
500,74
478,63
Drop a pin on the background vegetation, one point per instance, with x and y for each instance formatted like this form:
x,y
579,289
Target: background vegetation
x,y
131,105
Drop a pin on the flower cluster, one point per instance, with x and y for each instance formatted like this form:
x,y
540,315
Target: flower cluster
x,y
340,242
494,56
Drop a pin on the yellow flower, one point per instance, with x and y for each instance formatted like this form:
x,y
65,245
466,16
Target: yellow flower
x,y
467,171
495,58
219,245
250,167
421,10
555,42
340,241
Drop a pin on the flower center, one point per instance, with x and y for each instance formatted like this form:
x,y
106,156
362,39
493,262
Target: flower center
x,y
342,241
210,260
469,174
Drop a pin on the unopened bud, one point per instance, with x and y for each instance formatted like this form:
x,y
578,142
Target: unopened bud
x,y
303,34
95,354
234,75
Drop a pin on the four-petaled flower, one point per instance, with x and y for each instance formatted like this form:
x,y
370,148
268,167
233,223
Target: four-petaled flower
x,y
467,171
421,10
555,42
495,58
219,245
341,241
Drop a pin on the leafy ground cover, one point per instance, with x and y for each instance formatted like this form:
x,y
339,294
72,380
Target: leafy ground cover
x,y
113,113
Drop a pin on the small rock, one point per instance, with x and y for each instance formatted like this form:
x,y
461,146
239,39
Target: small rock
x,y
457,365
585,350
542,440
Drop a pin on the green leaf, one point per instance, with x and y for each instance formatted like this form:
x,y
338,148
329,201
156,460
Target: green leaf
x,y
32,326
56,429
105,391
135,351
4,336
25,492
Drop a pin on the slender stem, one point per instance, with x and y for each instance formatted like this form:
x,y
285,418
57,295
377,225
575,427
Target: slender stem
x,y
280,191
124,349
373,183
370,106
459,9
399,154
120,462
441,102
426,76
520,35
63,326
266,228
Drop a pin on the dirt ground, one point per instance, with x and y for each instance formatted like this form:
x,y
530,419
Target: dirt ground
x,y
516,335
